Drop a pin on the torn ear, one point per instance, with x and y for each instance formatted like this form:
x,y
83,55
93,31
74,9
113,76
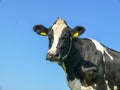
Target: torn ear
x,y
41,30
77,31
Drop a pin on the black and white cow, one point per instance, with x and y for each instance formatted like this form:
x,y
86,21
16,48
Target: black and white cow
x,y
88,64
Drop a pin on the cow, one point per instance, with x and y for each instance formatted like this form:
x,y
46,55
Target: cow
x,y
88,64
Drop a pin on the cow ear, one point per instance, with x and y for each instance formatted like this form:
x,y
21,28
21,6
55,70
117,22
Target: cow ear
x,y
77,31
41,30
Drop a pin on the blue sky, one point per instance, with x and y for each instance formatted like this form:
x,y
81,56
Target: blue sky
x,y
22,52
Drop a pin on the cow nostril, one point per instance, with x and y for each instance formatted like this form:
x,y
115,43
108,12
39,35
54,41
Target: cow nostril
x,y
48,57
57,55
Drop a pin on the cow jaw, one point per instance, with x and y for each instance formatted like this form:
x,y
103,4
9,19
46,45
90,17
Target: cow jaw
x,y
57,28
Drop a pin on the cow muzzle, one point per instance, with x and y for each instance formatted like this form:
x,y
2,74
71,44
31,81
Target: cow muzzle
x,y
53,56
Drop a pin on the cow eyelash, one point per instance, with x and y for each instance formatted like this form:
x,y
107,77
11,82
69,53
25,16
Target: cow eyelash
x,y
63,38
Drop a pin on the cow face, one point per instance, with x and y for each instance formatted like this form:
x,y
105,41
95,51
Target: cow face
x,y
60,38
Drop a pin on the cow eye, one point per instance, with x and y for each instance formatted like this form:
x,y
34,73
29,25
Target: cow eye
x,y
66,36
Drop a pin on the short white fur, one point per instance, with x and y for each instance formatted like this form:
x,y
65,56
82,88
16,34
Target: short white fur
x,y
101,48
75,84
57,28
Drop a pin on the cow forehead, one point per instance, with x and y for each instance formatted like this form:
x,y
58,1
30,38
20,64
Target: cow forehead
x,y
59,26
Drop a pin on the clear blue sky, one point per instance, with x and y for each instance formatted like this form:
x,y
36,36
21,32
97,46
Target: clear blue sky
x,y
22,52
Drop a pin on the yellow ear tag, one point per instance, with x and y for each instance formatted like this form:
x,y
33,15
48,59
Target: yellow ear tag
x,y
76,34
43,33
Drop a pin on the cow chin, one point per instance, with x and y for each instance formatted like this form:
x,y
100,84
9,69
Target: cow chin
x,y
54,60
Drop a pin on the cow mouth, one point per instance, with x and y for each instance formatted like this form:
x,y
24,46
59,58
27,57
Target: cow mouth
x,y
54,60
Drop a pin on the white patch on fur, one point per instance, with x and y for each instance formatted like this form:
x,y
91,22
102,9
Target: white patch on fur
x,y
108,88
108,54
115,88
58,27
95,85
104,76
103,58
87,88
101,49
75,84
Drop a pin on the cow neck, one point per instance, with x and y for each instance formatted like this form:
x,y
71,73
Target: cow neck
x,y
65,57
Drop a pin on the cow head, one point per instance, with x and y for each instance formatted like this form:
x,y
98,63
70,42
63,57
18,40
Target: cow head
x,y
60,38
